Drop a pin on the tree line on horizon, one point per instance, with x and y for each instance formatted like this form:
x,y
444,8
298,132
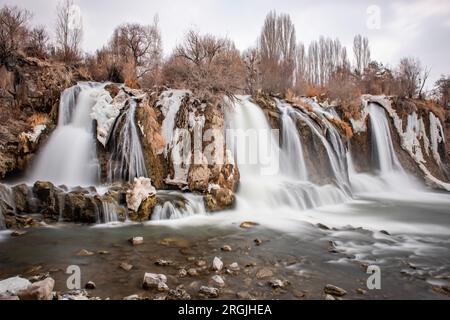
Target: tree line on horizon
x,y
211,66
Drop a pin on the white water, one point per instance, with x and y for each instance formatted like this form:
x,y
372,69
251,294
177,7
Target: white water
x,y
127,160
266,185
70,156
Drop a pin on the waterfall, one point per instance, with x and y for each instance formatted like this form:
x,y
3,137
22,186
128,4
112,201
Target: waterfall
x,y
384,152
291,146
127,159
265,182
70,156
175,205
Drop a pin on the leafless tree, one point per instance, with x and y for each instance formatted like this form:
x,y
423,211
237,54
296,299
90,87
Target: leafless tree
x,y
37,42
142,43
442,89
69,31
252,65
13,30
361,50
411,77
277,46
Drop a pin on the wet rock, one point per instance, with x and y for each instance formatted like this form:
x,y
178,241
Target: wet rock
x,y
322,227
218,281
248,224
136,241
133,297
182,273
126,266
192,272
226,248
258,242
234,267
90,285
39,277
84,253
163,263
219,200
217,264
21,195
41,290
329,297
264,273
141,199
78,295
103,252
12,286
279,284
334,290
385,232
209,292
201,263
361,291
18,233
178,294
155,281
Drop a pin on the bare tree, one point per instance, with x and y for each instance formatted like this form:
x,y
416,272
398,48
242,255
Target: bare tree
x,y
13,30
252,65
411,77
37,43
442,88
142,43
361,50
69,30
277,46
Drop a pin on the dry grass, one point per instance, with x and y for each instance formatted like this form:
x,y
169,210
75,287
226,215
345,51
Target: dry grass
x,y
38,119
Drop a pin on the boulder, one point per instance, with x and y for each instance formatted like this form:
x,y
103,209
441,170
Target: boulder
x,y
217,264
154,281
141,199
334,290
42,290
219,199
13,286
209,292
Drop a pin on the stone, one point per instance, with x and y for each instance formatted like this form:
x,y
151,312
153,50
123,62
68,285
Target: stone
x,y
141,199
18,233
163,263
279,284
78,295
217,264
209,292
361,291
201,263
226,248
182,273
133,297
329,297
218,281
322,227
334,290
264,273
12,286
234,267
90,285
41,290
178,294
136,241
103,252
39,277
155,281
126,266
192,272
248,224
84,253
258,242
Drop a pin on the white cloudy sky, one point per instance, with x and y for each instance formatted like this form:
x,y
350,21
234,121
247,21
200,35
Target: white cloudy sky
x,y
419,28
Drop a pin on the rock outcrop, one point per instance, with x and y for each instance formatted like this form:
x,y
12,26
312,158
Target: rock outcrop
x,y
30,90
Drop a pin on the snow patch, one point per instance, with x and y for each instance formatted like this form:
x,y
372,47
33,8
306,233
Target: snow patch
x,y
33,136
142,190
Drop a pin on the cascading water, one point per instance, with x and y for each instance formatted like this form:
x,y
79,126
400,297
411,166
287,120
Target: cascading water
x,y
176,205
127,159
265,181
291,146
384,152
70,157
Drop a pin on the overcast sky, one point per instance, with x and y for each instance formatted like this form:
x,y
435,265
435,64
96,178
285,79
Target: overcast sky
x,y
419,28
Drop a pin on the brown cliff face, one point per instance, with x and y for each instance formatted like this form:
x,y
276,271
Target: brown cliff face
x,y
30,89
